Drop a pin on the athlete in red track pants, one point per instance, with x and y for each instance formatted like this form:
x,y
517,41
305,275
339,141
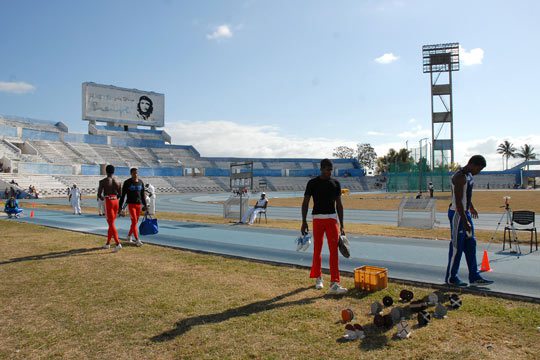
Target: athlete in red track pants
x,y
134,214
326,193
133,192
109,191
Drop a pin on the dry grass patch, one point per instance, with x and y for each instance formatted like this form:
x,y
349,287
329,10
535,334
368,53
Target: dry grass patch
x,y
63,297
485,201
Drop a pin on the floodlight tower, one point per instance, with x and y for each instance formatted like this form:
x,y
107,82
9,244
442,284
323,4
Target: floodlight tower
x,y
440,61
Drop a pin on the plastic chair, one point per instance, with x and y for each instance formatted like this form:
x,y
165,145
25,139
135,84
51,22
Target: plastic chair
x,y
522,218
261,213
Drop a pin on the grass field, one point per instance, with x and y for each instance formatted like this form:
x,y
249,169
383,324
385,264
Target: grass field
x,y
484,201
61,296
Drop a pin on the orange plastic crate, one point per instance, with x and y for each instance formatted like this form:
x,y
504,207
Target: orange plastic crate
x,y
370,278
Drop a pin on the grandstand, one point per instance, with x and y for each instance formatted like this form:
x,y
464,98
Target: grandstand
x,y
44,154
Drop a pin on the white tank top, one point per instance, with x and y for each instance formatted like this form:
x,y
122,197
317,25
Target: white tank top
x,y
466,199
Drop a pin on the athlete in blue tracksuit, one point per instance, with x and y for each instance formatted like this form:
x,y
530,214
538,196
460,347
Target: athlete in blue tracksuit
x,y
460,213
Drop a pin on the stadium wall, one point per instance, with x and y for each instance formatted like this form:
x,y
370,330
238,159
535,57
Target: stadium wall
x,y
45,169
9,131
144,171
83,138
30,134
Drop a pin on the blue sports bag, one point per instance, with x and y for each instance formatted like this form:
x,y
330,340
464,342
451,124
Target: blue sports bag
x,y
149,226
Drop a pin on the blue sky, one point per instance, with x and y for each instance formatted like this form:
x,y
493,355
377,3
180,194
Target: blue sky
x,y
280,78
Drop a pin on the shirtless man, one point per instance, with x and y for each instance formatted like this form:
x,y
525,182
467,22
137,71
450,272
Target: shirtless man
x,y
109,190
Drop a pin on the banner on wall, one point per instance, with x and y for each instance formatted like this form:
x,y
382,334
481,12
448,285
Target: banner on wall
x,y
107,103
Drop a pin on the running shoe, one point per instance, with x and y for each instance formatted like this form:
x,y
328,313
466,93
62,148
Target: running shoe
x,y
456,282
106,246
319,283
138,243
299,243
337,289
130,239
306,242
481,282
117,248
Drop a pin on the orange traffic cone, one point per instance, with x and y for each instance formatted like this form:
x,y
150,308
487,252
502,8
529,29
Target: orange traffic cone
x,y
485,263
32,213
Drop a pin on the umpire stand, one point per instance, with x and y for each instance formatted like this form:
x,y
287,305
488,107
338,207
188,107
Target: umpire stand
x,y
240,180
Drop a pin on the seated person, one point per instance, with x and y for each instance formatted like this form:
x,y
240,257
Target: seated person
x,y
259,207
419,195
12,208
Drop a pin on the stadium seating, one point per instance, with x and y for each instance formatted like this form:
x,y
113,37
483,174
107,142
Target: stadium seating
x,y
46,185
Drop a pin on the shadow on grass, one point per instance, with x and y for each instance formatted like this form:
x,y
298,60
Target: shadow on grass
x,y
52,255
376,338
187,324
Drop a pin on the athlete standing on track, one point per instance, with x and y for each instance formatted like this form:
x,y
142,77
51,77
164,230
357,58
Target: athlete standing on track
x,y
326,193
460,213
109,190
133,190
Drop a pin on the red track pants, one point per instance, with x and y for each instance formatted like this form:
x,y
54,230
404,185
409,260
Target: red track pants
x,y
111,210
330,227
134,214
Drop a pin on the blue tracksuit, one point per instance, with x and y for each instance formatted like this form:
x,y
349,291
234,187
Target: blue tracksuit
x,y
459,241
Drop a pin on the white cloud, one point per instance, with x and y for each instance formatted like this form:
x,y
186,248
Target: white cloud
x,y
231,139
472,57
227,138
387,58
375,133
416,132
412,121
220,32
16,87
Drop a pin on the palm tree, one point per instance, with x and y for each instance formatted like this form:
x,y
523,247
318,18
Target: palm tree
x,y
527,153
507,150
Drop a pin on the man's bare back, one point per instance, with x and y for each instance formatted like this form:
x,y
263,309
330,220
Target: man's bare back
x,y
109,186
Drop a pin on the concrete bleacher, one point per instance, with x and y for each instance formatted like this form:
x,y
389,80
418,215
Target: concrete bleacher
x,y
195,184
288,183
88,184
109,155
146,156
495,181
56,152
166,156
8,151
87,153
46,185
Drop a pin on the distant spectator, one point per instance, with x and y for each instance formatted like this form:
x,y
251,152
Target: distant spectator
x,y
17,194
12,208
250,216
75,199
14,182
150,192
430,187
419,195
11,192
35,192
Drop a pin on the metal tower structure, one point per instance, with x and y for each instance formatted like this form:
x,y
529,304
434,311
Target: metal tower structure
x,y
440,61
